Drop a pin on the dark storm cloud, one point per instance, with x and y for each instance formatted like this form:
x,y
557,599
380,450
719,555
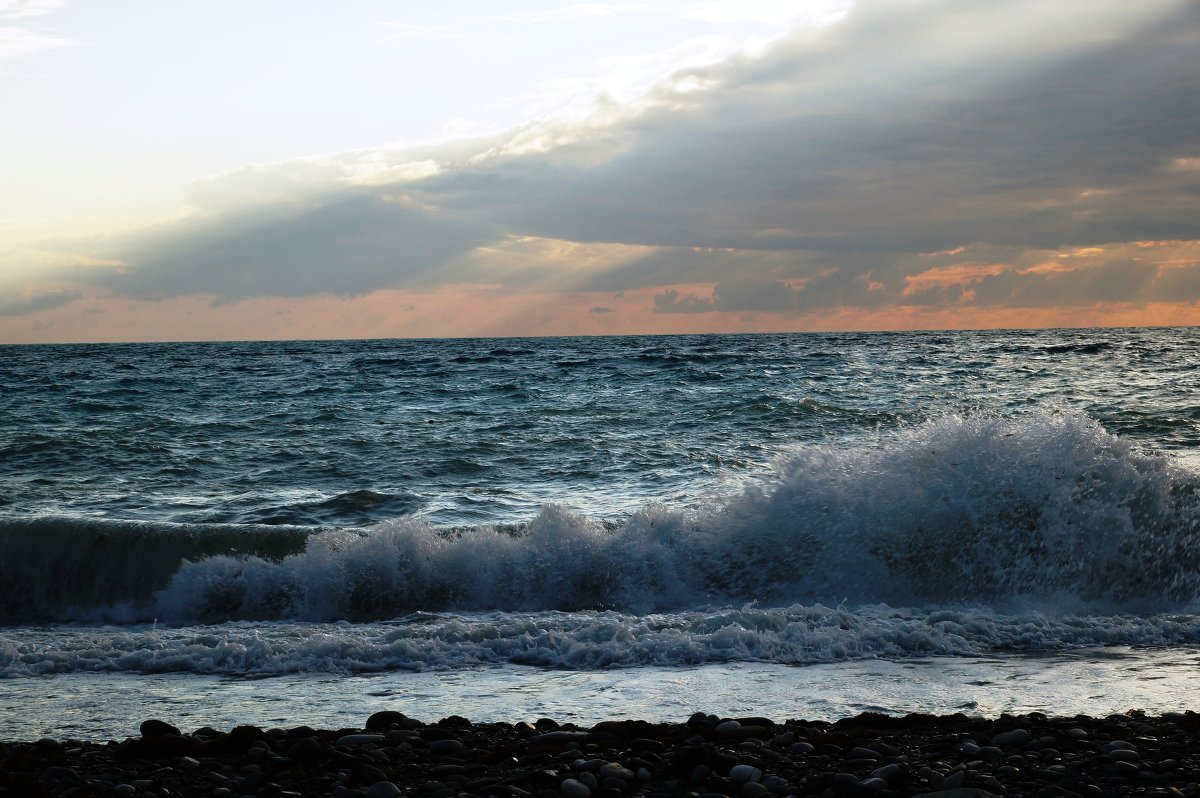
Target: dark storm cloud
x,y
896,144
346,245
16,306
1112,282
804,178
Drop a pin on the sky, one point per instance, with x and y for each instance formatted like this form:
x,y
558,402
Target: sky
x,y
294,169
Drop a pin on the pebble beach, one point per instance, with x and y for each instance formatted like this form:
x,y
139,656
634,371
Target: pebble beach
x,y
953,756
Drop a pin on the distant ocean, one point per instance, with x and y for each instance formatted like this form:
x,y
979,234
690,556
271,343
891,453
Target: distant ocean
x,y
796,525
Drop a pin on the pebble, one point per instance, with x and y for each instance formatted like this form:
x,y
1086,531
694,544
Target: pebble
x,y
741,774
887,772
859,752
864,757
613,770
385,720
355,740
752,789
559,737
447,747
307,748
776,784
844,781
573,788
407,736
158,728
364,773
1012,739
383,789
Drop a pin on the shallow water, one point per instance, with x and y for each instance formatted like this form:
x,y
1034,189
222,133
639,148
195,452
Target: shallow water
x,y
1093,682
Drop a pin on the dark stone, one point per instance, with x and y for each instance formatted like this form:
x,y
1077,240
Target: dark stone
x,y
237,741
158,728
60,778
622,758
602,739
209,733
163,747
384,720
447,747
755,721
846,784
307,748
454,722
366,774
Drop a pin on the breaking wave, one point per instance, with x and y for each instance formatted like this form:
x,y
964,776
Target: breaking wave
x,y
1046,512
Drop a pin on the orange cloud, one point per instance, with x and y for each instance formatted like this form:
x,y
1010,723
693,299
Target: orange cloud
x,y
481,310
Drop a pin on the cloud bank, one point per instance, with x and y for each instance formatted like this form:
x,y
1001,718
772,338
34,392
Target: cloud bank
x,y
912,158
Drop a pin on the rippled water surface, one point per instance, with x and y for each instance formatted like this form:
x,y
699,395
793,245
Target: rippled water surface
x,y
993,521
485,430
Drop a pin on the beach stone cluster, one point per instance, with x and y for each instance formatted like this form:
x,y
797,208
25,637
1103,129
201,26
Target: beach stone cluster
x,y
867,756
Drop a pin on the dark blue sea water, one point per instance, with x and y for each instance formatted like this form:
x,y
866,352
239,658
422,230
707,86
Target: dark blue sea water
x,y
238,510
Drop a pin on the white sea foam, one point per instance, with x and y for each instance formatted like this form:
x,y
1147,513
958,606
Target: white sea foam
x,y
1044,512
1047,511
582,640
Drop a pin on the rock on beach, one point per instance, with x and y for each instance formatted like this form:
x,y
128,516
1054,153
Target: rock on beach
x,y
866,756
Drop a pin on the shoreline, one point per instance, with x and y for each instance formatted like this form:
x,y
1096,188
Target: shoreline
x,y
869,754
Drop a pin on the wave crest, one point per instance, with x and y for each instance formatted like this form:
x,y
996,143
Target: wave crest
x,y
1045,510
1048,509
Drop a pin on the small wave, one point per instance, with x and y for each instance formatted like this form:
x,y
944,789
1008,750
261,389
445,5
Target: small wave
x,y
1086,348
351,508
793,635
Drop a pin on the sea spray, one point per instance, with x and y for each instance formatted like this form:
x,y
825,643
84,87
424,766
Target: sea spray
x,y
1042,509
1047,509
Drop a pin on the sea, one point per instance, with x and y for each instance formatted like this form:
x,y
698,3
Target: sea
x,y
793,525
